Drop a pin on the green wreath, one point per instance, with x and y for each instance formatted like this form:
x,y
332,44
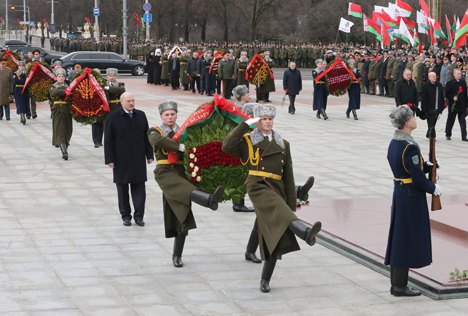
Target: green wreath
x,y
340,88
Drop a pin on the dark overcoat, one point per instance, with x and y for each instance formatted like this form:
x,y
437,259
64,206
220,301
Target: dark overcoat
x,y
210,79
274,200
157,69
365,74
269,85
292,80
62,122
409,238
405,92
428,97
174,72
21,99
354,93
171,178
452,89
320,92
126,145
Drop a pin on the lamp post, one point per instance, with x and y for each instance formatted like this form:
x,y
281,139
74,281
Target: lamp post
x,y
96,31
124,28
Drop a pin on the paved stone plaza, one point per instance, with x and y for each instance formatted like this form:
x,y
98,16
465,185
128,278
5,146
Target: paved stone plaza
x,y
64,250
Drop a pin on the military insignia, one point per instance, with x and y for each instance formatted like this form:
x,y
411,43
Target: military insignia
x,y
415,160
152,132
169,106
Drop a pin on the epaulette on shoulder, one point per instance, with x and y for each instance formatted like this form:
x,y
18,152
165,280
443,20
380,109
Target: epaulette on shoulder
x,y
410,142
158,129
246,135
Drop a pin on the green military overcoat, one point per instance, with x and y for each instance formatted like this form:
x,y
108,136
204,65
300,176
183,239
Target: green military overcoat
x,y
62,124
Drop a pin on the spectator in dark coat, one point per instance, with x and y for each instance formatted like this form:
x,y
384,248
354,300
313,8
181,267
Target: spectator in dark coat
x,y
201,71
432,100
383,84
406,93
403,63
127,151
354,92
174,71
42,41
149,68
455,92
192,71
365,75
292,84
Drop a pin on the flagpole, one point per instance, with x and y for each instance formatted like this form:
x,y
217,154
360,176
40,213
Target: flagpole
x,y
364,31
337,33
346,40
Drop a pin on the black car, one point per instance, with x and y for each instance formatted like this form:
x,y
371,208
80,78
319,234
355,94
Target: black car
x,y
48,58
15,42
102,61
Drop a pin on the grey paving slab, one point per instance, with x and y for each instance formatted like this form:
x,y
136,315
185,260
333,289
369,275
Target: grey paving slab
x,y
64,250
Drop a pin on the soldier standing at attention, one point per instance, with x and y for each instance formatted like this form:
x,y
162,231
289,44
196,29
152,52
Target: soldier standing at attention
x,y
62,124
6,88
239,69
226,73
271,188
165,67
21,99
269,85
320,90
178,192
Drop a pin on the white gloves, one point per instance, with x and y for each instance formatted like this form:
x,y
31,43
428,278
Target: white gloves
x,y
252,121
438,190
106,88
181,147
430,164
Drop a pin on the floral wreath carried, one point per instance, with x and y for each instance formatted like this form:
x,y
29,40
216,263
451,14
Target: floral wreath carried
x,y
206,165
12,59
338,77
86,97
38,79
214,65
258,70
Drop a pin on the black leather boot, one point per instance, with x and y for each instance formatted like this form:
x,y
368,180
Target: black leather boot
x,y
302,191
179,242
355,115
304,231
399,279
267,272
252,246
267,97
240,207
206,199
325,117
347,113
318,114
63,148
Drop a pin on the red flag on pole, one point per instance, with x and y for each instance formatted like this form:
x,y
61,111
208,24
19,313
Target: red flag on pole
x,y
424,6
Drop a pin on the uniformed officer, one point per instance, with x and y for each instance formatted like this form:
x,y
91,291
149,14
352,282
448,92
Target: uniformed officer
x,y
239,69
76,69
178,192
31,112
269,85
165,67
21,99
115,89
62,125
320,90
409,239
271,188
354,92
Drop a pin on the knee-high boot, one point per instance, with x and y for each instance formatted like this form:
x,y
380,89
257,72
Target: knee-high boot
x,y
399,280
354,114
302,191
304,231
179,242
267,272
347,112
240,207
206,199
252,246
63,148
325,117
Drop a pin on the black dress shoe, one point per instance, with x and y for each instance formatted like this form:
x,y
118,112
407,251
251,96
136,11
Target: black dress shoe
x,y
177,261
404,291
252,257
100,145
265,286
139,222
34,116
96,146
448,138
8,118
127,222
465,139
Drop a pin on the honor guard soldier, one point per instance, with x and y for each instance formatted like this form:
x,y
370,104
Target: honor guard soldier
x,y
320,90
62,125
210,79
269,85
21,99
239,69
409,238
354,92
115,89
76,69
32,106
271,188
165,67
178,192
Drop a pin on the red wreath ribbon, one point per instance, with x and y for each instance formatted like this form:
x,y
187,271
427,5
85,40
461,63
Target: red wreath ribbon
x,y
338,60
33,70
9,54
251,64
96,84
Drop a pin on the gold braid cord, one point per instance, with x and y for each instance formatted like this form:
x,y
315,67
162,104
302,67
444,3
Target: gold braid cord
x,y
252,157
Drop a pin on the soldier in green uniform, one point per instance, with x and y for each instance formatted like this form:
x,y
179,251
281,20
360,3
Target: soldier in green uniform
x,y
115,89
269,85
62,125
372,76
388,75
271,188
378,68
165,66
395,73
178,192
239,69
184,77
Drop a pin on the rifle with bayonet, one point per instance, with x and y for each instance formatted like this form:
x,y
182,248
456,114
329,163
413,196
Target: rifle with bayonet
x,y
435,205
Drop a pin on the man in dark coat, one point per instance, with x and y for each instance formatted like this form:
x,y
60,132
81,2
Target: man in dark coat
x,y
432,100
403,63
271,190
405,92
409,238
174,71
455,92
383,84
149,67
127,151
21,99
210,79
378,73
192,71
354,92
320,90
365,74
292,84
201,71
269,85
6,88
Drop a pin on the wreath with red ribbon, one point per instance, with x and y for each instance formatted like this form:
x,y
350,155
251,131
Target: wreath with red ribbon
x,y
258,69
87,97
338,77
38,80
12,59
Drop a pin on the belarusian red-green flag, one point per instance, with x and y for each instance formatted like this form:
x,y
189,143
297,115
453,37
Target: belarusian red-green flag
x,y
355,10
447,24
373,27
404,7
460,37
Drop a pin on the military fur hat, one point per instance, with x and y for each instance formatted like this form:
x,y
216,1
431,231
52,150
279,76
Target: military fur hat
x,y
318,61
243,52
239,91
209,51
248,108
400,115
58,62
165,106
264,110
60,71
21,63
112,71
267,53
